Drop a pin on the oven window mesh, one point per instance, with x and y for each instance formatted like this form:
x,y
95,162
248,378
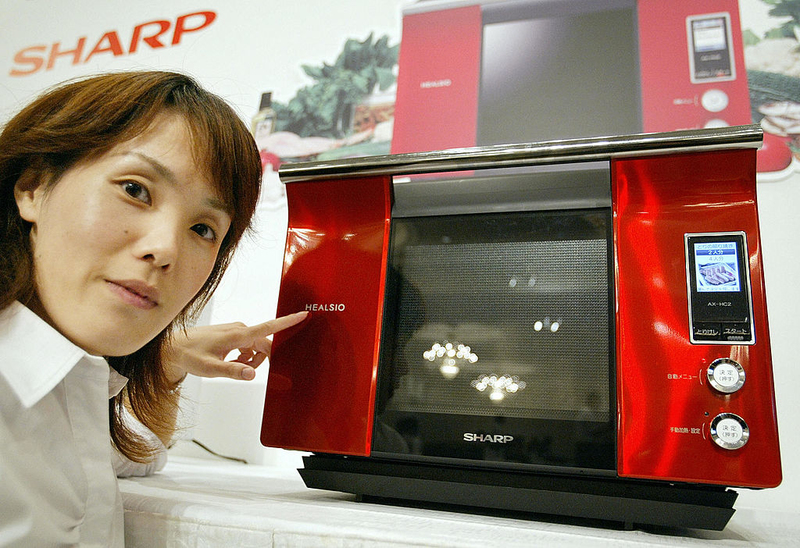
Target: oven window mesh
x,y
531,319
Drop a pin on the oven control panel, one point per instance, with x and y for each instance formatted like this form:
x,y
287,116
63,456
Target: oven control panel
x,y
692,338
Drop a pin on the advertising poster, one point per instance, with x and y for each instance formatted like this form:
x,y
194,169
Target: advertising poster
x,y
771,36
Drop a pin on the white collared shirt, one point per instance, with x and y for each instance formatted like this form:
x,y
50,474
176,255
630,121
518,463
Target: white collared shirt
x,y
57,482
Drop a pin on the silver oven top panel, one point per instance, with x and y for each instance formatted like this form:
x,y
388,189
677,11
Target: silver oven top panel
x,y
532,154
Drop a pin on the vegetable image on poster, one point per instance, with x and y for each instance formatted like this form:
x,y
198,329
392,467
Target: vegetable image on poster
x,y
772,56
347,111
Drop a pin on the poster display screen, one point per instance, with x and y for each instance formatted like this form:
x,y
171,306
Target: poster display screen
x,y
711,55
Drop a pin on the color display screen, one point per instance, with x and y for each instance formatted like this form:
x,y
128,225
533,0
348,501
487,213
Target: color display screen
x,y
710,34
710,54
717,267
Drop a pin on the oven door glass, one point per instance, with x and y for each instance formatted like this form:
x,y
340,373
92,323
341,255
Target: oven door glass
x,y
496,344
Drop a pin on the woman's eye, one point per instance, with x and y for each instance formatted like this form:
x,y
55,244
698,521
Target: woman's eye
x,y
205,231
136,191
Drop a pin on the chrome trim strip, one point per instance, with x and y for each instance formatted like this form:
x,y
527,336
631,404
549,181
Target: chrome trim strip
x,y
531,154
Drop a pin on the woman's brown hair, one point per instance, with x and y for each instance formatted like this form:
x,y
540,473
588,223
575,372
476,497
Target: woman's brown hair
x,y
86,118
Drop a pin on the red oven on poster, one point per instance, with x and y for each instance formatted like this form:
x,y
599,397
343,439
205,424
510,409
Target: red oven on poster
x,y
530,70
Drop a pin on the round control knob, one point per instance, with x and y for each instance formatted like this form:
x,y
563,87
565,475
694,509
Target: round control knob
x,y
725,375
714,100
729,431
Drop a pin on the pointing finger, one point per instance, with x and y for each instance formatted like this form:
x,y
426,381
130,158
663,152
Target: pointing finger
x,y
279,324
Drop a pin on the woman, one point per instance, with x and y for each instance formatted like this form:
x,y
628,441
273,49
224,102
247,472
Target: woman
x,y
123,197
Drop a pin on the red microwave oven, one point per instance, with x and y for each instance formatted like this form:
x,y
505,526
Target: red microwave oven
x,y
475,73
573,327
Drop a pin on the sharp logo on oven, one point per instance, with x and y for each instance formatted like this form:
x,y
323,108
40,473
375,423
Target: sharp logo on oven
x,y
326,307
488,438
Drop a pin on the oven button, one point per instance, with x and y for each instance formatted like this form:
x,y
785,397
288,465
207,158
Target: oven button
x,y
725,375
715,123
736,332
714,100
706,331
729,431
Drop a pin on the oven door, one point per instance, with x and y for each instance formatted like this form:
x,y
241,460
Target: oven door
x,y
497,341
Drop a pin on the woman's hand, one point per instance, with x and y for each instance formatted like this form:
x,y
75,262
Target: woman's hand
x,y
202,350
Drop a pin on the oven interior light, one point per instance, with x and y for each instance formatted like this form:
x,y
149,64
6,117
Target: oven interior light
x,y
450,356
449,370
498,387
552,325
514,282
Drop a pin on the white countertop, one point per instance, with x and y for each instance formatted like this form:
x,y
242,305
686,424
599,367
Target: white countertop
x,y
198,502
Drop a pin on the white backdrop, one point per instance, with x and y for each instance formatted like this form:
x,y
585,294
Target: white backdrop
x,y
257,46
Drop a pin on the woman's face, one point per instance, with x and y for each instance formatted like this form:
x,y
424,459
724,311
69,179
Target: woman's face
x,y
124,241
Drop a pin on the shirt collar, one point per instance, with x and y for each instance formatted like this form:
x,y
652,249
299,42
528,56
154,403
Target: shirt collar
x,y
36,357
116,382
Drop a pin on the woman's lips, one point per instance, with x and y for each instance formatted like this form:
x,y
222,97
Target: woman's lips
x,y
135,293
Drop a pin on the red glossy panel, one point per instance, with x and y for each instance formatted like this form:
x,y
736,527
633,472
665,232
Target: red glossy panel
x,y
321,386
665,404
437,87
670,100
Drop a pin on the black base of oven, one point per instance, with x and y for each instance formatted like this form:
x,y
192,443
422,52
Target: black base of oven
x,y
627,502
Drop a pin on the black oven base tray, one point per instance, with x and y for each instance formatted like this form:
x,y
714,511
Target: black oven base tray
x,y
629,503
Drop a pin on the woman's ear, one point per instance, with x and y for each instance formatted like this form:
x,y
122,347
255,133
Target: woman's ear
x,y
29,194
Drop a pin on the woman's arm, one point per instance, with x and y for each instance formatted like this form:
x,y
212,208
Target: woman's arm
x,y
123,466
202,351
